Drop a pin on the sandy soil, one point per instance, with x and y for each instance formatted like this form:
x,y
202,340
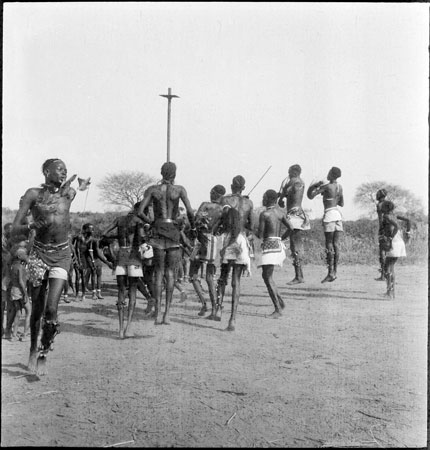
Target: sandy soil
x,y
342,367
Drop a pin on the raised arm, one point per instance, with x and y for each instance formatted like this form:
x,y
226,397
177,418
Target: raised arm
x,y
111,227
315,189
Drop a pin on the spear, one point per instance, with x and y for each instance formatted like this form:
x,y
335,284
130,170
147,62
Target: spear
x,y
256,184
169,97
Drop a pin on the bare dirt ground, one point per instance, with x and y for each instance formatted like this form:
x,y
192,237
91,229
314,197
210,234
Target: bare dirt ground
x,y
342,367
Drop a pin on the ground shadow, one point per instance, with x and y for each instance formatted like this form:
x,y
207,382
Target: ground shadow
x,y
206,325
23,373
320,294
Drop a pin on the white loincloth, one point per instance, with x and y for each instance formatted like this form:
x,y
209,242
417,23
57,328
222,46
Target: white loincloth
x,y
332,215
272,252
398,247
298,219
237,252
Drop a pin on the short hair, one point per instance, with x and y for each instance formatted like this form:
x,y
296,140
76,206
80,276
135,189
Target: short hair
x,y
7,225
271,195
387,206
296,168
382,193
87,225
238,182
336,172
48,162
168,170
136,206
218,189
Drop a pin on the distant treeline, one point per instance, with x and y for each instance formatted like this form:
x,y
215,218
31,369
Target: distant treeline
x,y
359,244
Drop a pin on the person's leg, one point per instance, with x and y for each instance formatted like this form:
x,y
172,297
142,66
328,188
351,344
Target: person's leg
x,y
336,250
3,308
99,274
121,284
148,279
329,255
12,321
159,263
132,288
267,274
173,259
195,279
381,263
91,281
77,279
210,280
27,309
15,326
50,327
297,250
389,276
235,296
82,279
220,289
38,299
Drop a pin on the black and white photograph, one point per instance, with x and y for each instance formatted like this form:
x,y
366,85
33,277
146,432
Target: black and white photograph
x,y
215,224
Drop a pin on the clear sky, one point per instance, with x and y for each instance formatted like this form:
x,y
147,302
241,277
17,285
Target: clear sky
x,y
260,85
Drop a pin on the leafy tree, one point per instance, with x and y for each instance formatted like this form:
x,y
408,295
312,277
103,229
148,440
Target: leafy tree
x,y
406,202
124,188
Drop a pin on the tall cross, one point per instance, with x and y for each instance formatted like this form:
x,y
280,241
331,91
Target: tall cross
x,y
169,97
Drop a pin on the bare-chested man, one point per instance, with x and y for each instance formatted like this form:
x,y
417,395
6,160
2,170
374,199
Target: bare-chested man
x,y
128,268
237,221
332,220
297,219
96,259
381,195
205,251
272,247
166,237
50,257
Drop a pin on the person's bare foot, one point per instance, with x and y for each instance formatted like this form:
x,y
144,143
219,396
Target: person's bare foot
x,y
203,310
275,315
32,361
41,365
231,325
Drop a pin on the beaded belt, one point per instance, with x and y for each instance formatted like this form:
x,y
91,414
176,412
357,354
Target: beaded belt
x,y
49,248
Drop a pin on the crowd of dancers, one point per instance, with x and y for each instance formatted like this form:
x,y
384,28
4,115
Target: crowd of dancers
x,y
148,246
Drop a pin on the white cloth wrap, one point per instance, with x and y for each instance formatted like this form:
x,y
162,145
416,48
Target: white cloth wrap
x,y
398,247
273,252
332,215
